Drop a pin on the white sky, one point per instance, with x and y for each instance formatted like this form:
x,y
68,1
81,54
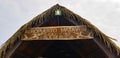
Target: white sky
x,y
104,14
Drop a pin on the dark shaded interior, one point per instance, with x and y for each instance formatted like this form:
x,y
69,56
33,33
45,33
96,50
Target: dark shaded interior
x,y
58,21
86,48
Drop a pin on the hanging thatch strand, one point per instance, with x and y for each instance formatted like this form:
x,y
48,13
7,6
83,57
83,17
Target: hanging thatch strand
x,y
40,19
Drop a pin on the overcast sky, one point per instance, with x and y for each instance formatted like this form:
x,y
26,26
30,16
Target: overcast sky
x,y
104,14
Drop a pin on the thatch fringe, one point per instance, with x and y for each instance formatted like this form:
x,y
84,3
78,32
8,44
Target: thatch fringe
x,y
40,19
106,39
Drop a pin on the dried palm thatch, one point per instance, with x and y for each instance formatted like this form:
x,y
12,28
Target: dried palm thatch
x,y
39,20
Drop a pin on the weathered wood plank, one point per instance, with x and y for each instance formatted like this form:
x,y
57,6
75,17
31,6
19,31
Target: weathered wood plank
x,y
57,33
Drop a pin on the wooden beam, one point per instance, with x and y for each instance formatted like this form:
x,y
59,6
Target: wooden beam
x,y
58,33
106,50
8,55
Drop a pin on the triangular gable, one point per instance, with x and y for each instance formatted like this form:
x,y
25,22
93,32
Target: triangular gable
x,y
41,19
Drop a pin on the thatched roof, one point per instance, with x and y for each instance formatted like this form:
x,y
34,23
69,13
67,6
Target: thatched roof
x,y
39,20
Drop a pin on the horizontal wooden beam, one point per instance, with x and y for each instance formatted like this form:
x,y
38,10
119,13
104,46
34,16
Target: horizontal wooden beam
x,y
58,33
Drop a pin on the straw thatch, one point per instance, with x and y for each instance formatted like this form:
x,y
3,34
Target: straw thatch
x,y
39,20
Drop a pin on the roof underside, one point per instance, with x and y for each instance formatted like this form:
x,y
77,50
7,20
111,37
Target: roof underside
x,y
64,18
59,49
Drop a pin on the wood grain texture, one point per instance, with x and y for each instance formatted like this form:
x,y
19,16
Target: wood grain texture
x,y
57,33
